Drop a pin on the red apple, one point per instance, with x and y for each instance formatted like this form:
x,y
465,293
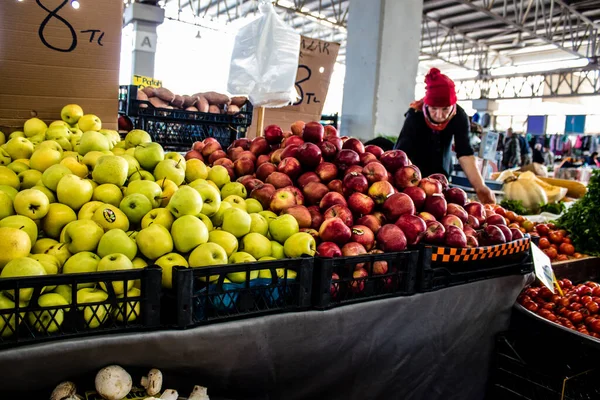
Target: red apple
x,y
396,205
336,141
469,231
298,127
292,141
495,220
210,148
457,210
341,212
331,199
427,216
476,209
336,186
216,155
309,155
243,166
435,233
263,158
273,134
264,170
279,180
313,132
328,150
354,169
381,268
472,241
246,154
370,221
391,238
351,249
455,237
450,219
198,146
366,158
354,144
194,154
330,131
346,158
306,178
298,194
506,231
335,230
430,186
441,178
225,162
412,226
259,146
210,140
436,205
375,172
375,150
291,167
360,203
355,182
263,193
289,151
417,195
283,199
244,143
329,250
335,287
456,196
380,216
407,176
493,235
326,171
473,222
516,234
301,214
316,217
357,285
380,191
276,156
314,192
364,235
393,160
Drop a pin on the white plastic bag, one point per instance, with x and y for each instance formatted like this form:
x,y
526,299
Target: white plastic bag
x,y
264,62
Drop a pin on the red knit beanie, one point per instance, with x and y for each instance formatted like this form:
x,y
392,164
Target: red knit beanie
x,y
439,91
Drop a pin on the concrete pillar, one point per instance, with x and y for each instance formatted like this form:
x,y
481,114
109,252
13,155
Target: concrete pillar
x,y
381,66
145,19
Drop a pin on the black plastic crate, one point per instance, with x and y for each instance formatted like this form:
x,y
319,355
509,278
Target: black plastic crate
x,y
399,279
529,366
26,321
442,267
198,302
177,130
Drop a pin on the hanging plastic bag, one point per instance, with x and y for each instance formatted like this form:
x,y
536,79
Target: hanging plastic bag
x,y
264,62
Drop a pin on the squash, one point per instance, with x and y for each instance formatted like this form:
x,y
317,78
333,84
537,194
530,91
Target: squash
x,y
525,189
575,189
554,193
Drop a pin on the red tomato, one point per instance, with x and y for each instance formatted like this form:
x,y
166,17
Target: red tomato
x,y
591,284
500,211
545,293
595,326
551,226
567,283
592,306
586,299
562,257
576,317
584,291
575,306
564,302
567,240
578,255
520,219
589,320
574,298
551,253
596,299
566,248
551,317
563,232
544,243
531,306
549,306
542,229
555,237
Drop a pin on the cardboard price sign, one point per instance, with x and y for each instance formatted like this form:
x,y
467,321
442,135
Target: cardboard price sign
x,y
52,54
315,67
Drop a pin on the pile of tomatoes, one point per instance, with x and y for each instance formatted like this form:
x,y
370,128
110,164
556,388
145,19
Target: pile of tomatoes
x,y
513,220
556,243
576,310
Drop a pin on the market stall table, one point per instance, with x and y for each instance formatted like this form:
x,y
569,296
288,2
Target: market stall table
x,y
431,346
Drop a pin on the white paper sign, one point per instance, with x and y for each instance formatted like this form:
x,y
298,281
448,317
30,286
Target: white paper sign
x,y
543,267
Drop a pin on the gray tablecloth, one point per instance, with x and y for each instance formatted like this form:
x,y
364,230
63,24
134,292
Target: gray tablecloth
x,y
427,346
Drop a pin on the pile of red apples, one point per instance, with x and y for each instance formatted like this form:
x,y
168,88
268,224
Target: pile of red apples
x,y
353,199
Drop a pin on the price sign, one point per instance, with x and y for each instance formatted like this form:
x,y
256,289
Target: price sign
x,y
144,81
543,267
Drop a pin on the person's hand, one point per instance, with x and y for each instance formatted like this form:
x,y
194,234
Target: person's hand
x,y
485,195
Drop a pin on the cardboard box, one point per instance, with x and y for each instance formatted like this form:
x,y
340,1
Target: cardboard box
x,y
52,55
317,58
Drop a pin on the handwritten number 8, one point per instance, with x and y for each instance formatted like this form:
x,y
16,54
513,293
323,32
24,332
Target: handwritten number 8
x,y
299,86
54,14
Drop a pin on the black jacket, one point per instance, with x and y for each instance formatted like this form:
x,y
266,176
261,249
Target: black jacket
x,y
431,150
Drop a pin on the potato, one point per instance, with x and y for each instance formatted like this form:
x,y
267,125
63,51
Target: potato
x,y
214,109
239,101
159,103
177,101
215,98
149,91
164,94
232,109
189,101
191,108
142,96
202,104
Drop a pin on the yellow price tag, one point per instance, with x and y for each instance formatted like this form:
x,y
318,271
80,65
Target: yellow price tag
x,y
144,81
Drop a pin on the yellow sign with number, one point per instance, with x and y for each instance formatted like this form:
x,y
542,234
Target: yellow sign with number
x,y
144,81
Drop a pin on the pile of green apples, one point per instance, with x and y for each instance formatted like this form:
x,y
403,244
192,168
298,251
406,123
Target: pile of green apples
x,y
75,198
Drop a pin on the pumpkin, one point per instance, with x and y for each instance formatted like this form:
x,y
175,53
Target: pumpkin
x,y
525,189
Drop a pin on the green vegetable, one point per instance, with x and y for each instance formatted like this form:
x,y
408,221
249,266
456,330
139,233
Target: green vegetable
x,y
582,219
554,208
514,206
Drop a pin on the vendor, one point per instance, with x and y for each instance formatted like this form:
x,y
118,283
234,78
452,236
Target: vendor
x,y
429,128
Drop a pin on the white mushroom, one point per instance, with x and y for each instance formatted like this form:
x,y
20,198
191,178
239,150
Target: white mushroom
x,y
199,393
153,382
170,394
64,389
113,383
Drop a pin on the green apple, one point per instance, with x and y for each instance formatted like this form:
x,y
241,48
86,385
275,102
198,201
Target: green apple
x,y
116,262
173,155
281,273
75,166
80,263
49,193
60,251
111,217
300,244
170,169
118,151
256,245
43,244
8,322
50,264
6,205
283,227
259,224
93,315
239,258
253,206
277,250
108,193
167,262
168,188
236,222
14,243
141,175
2,138
195,169
117,241
129,310
268,215
44,157
224,239
211,198
56,132
207,222
89,122
66,291
160,216
29,178
19,147
74,191
235,201
26,224
149,155
219,175
9,190
92,141
137,137
53,175
233,189
88,209
9,178
135,206
132,164
31,203
49,144
81,235
110,169
185,201
49,321
150,189
206,255
34,126
5,158
91,159
23,266
59,123
71,113
138,263
154,241
188,232
217,218
112,136
36,140
65,144
130,151
16,134
16,166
